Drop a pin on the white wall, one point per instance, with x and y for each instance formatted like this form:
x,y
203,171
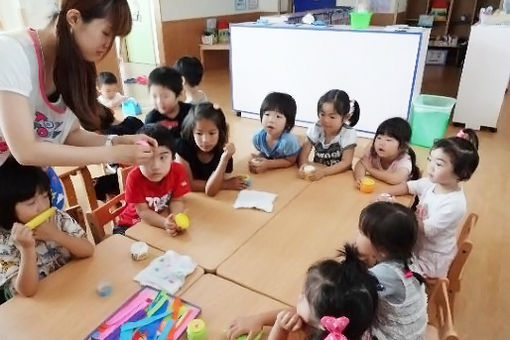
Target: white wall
x,y
10,15
172,10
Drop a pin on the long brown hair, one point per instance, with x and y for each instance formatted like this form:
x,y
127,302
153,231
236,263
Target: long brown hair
x,y
75,77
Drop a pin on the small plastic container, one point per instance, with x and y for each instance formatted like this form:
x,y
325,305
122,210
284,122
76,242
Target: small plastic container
x,y
196,330
360,20
367,185
429,118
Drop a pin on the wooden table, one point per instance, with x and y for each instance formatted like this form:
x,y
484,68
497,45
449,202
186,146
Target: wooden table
x,y
313,226
214,47
222,301
217,229
66,305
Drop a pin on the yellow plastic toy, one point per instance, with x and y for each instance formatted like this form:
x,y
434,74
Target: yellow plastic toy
x,y
367,185
182,221
39,219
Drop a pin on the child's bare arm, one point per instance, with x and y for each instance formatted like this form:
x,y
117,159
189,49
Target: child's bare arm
x,y
27,280
399,189
305,153
359,172
252,324
343,165
397,177
268,164
149,216
177,205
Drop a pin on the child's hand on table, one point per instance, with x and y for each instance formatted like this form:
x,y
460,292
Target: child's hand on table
x,y
250,325
171,226
235,183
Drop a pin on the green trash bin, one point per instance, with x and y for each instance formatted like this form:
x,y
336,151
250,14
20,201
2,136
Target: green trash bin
x,y
429,118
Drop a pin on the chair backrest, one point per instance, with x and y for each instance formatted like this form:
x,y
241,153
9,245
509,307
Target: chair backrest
x,y
457,266
76,212
123,173
104,214
440,314
468,225
87,182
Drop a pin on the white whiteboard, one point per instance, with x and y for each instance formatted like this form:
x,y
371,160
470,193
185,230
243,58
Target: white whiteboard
x,y
381,69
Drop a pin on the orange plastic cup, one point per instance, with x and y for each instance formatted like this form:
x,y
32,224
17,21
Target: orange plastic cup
x,y
367,185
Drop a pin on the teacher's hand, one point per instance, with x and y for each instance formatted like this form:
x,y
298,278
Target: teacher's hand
x,y
132,139
132,154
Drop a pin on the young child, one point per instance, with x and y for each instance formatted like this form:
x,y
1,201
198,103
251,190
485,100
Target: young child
x,y
332,137
442,203
205,152
192,71
388,233
165,87
277,147
29,255
154,191
389,159
108,88
338,298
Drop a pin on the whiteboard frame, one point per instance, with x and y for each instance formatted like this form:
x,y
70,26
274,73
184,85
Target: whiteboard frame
x,y
417,47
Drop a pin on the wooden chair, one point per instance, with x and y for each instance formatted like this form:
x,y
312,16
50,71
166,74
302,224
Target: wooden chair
x,y
123,173
76,212
87,182
464,248
104,214
440,325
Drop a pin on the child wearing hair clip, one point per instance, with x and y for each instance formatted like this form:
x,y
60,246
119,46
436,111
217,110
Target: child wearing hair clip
x,y
277,146
470,135
332,137
387,236
442,203
338,301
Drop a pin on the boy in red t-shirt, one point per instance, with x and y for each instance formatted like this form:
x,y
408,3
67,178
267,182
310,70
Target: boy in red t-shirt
x,y
154,190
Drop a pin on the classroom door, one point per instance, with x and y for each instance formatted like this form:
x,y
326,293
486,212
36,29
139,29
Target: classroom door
x,y
140,41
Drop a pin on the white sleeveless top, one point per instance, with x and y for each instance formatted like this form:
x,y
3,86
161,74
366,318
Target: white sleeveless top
x,y
406,320
22,72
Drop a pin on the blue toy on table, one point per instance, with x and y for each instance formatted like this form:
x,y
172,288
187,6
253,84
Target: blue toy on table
x,y
130,107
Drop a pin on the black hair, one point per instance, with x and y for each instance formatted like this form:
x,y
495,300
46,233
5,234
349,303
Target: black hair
x,y
191,69
282,103
19,183
210,112
391,228
342,104
168,78
471,136
399,129
342,288
106,78
162,135
463,155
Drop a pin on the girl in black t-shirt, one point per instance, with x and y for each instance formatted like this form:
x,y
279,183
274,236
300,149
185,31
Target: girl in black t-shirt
x,y
205,152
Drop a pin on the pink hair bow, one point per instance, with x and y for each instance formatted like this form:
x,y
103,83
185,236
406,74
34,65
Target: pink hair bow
x,y
461,134
335,327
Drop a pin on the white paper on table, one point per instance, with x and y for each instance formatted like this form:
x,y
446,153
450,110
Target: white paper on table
x,y
255,199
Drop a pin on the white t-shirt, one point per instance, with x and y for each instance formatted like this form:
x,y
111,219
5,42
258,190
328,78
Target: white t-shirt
x,y
330,153
437,247
116,101
22,72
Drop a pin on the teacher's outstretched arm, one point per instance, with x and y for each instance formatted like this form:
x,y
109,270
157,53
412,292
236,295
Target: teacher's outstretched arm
x,y
81,147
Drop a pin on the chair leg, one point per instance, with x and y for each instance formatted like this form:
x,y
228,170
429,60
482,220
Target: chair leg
x,y
451,298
